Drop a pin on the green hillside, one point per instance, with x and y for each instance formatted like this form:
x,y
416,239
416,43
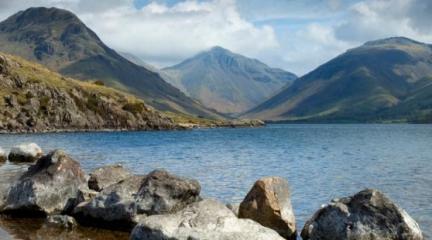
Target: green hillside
x,y
384,80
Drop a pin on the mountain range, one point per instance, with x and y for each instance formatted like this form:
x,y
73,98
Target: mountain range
x,y
226,81
387,80
59,40
380,81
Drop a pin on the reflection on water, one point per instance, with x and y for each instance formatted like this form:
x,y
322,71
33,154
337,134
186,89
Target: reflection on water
x,y
321,162
36,229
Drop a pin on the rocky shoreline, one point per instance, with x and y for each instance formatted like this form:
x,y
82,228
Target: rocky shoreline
x,y
160,205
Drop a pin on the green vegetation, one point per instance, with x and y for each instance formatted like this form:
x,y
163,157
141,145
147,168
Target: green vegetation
x,y
384,81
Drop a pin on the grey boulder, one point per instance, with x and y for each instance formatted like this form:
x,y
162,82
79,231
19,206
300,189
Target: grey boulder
x,y
122,204
368,215
25,153
49,187
106,176
204,220
269,203
113,207
162,192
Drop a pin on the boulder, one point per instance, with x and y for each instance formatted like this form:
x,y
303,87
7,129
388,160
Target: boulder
x,y
368,215
113,207
207,219
162,192
106,176
62,221
25,153
2,155
269,203
122,204
48,187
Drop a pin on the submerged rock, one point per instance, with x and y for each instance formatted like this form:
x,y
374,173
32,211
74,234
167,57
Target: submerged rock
x,y
2,155
62,221
207,219
122,204
25,153
368,215
106,176
48,187
269,203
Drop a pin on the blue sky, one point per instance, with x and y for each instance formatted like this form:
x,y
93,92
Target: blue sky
x,y
296,35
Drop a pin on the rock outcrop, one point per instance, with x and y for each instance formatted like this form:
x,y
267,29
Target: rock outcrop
x,y
368,215
269,203
207,219
25,153
34,99
122,204
2,155
48,187
106,176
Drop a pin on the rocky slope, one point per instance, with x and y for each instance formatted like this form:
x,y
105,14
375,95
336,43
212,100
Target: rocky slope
x,y
59,40
225,81
384,80
34,99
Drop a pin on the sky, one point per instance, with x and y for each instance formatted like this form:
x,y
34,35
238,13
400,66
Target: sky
x,y
295,35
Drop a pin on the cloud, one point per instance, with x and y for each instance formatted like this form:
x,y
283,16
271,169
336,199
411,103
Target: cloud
x,y
167,34
374,19
164,34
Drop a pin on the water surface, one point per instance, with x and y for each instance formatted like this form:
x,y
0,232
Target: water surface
x,y
320,162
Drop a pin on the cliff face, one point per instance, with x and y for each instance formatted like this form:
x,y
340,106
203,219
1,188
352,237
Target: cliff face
x,y
34,99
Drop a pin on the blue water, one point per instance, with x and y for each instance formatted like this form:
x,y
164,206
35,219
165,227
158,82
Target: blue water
x,y
320,162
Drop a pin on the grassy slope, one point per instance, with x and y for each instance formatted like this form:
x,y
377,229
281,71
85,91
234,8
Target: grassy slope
x,y
362,85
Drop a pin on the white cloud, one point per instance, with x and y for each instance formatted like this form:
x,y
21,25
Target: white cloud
x,y
374,19
169,34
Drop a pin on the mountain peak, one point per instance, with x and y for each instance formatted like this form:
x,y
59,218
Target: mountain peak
x,y
393,41
40,15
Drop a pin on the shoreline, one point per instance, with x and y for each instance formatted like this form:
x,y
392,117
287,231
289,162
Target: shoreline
x,y
178,127
57,172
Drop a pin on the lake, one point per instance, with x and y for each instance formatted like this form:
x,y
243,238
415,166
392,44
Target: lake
x,y
320,161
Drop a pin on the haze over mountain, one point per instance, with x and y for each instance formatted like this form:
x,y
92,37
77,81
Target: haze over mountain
x,y
59,40
384,80
225,81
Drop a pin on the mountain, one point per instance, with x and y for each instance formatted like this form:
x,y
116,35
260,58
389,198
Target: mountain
x,y
138,61
384,80
59,40
35,99
225,81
